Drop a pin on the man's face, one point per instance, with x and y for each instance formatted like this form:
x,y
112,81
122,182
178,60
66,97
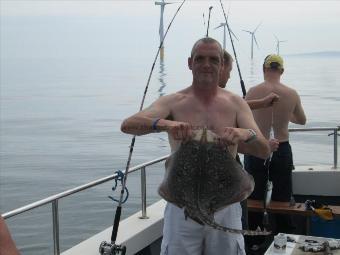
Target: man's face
x,y
206,63
225,74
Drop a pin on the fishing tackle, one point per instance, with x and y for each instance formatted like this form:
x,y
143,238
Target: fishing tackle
x,y
112,248
269,183
232,44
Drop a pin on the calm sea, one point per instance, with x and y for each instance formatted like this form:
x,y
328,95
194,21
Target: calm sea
x,y
61,116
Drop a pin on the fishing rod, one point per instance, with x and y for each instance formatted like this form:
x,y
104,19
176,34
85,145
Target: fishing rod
x,y
232,44
112,248
208,21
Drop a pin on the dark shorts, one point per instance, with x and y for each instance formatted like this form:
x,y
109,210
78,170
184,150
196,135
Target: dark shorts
x,y
280,173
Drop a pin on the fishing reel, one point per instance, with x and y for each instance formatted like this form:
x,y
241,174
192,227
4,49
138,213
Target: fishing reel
x,y
106,248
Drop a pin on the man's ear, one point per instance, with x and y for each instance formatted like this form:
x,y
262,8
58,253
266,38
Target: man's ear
x,y
190,63
282,71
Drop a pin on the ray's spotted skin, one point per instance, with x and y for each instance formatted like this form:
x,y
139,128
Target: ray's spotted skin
x,y
203,177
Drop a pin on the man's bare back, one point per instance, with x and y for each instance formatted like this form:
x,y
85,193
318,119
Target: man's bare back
x,y
287,109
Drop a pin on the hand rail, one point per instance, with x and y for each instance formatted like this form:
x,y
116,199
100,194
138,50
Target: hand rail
x,y
55,198
335,139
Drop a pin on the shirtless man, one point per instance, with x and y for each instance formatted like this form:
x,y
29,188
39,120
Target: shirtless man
x,y
266,101
287,109
202,104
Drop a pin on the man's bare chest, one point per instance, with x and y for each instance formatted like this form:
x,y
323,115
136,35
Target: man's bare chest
x,y
214,116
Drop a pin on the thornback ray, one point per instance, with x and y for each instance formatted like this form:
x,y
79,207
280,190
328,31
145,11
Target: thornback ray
x,y
203,177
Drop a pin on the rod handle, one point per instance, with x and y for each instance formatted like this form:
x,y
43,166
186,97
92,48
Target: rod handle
x,y
116,224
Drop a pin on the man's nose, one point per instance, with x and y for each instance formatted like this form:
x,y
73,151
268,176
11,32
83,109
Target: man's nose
x,y
206,62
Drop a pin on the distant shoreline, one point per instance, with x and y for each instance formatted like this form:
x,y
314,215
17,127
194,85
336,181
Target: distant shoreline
x,y
316,54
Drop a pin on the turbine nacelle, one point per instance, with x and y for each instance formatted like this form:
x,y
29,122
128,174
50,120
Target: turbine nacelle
x,y
221,25
162,3
278,44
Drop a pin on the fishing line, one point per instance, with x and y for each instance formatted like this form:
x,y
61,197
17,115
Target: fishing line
x,y
106,248
269,183
232,44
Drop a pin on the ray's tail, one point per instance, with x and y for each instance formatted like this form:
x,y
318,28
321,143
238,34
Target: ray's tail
x,y
208,220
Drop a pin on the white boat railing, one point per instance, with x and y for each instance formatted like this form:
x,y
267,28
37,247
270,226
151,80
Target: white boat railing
x,y
54,199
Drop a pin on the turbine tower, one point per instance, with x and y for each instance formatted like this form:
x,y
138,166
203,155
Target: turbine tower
x,y
253,38
278,44
161,26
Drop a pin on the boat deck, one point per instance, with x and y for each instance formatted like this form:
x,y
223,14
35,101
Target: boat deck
x,y
135,233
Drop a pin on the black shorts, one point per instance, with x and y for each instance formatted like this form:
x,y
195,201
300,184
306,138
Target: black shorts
x,y
280,173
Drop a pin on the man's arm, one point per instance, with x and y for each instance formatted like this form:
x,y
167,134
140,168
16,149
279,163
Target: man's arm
x,y
7,245
154,119
298,116
142,122
262,102
259,146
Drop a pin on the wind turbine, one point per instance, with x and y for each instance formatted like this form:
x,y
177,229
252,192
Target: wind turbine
x,y
278,44
161,26
224,31
253,38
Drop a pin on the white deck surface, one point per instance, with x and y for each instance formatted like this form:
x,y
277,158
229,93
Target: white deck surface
x,y
319,180
133,232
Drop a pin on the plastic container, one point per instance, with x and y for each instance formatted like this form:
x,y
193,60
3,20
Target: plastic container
x,y
324,228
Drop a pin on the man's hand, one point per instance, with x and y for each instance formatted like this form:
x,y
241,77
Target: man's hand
x,y
232,136
179,130
274,144
270,99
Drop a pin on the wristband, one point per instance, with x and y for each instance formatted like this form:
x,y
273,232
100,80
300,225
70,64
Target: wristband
x,y
252,136
154,125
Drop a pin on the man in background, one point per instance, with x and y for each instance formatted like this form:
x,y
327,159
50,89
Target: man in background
x,y
274,120
264,102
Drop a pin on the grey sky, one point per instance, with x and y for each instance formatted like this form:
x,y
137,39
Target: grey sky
x,y
308,26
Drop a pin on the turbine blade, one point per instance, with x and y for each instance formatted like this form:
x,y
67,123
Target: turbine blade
x,y
219,26
233,34
228,12
257,27
247,31
256,42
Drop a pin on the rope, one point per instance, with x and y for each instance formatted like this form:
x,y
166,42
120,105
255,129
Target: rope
x,y
119,178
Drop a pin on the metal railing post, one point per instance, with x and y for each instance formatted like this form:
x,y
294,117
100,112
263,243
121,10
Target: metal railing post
x,y
143,192
335,164
55,227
